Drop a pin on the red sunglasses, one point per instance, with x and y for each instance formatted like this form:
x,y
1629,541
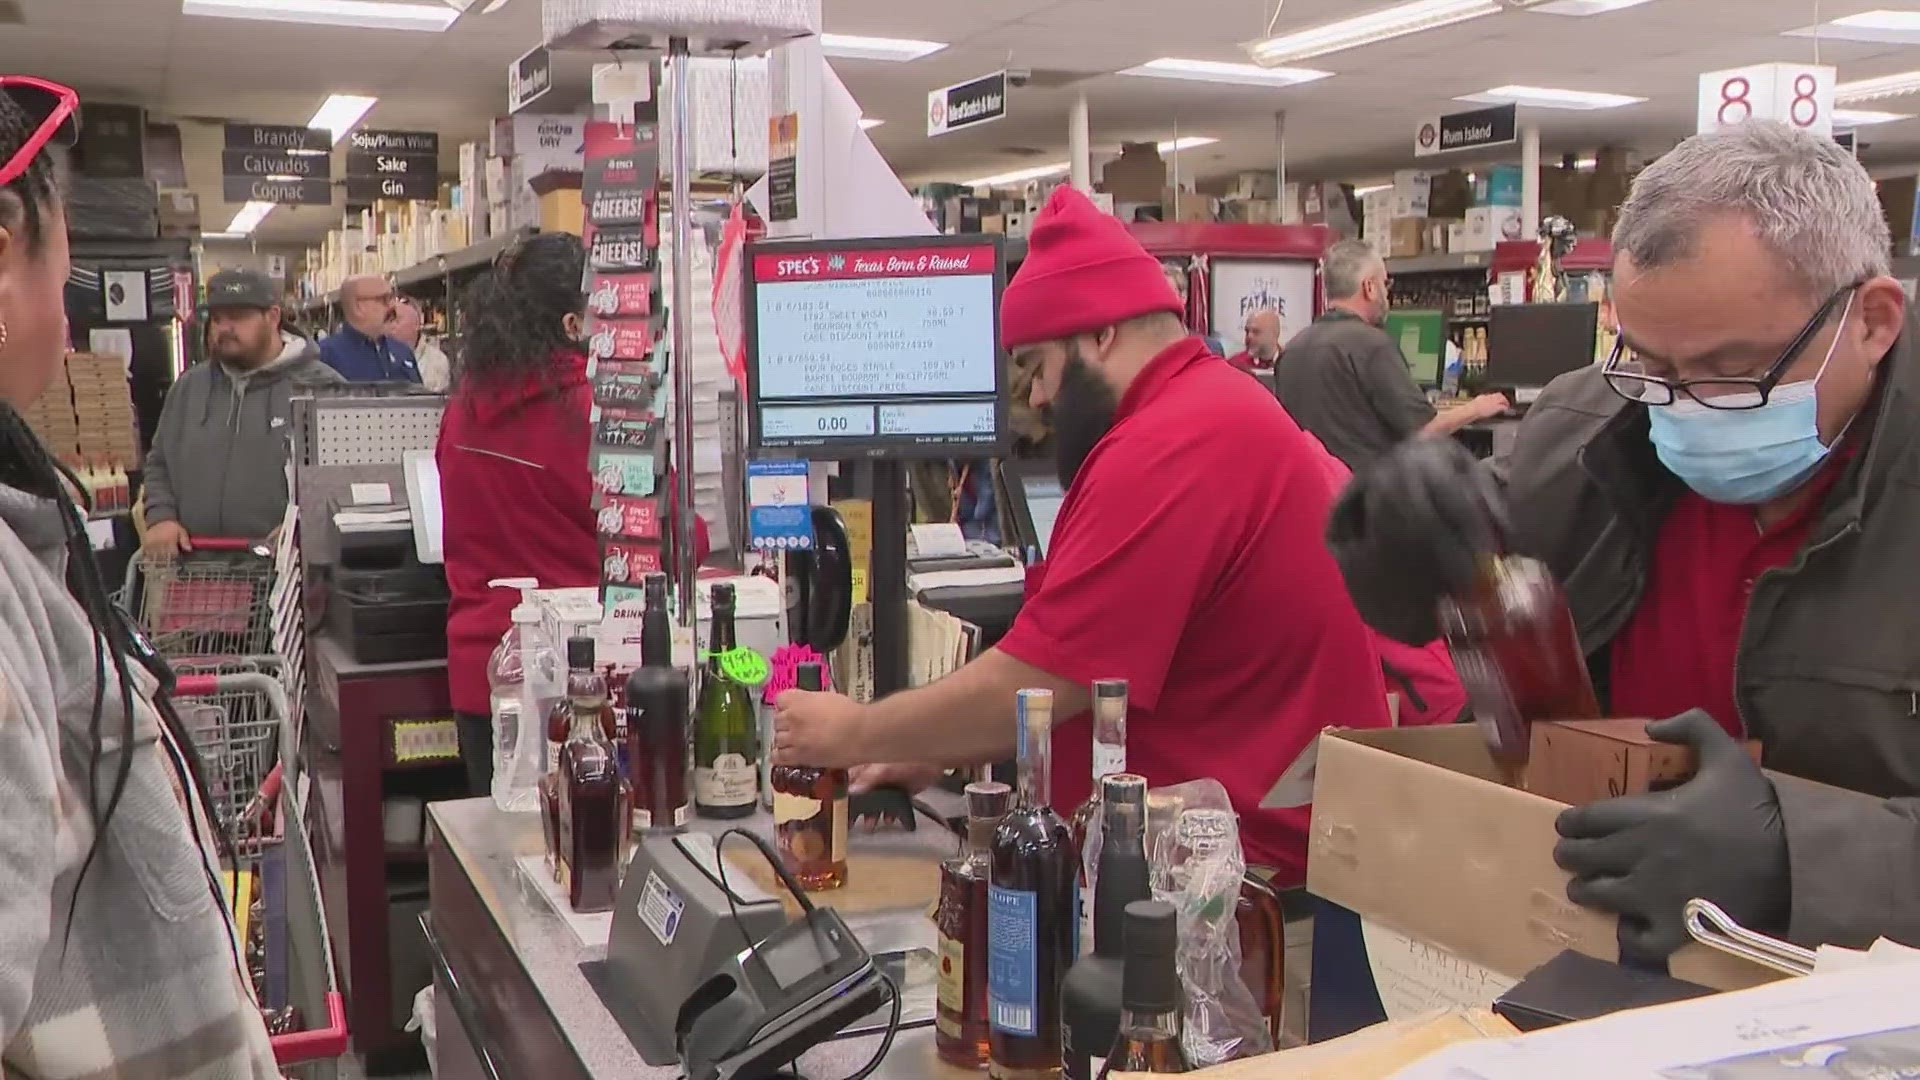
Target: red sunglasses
x,y
57,108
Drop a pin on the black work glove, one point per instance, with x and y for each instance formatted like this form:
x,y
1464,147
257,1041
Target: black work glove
x,y
1717,837
1412,527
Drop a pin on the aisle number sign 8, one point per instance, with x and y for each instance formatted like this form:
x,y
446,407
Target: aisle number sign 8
x,y
1796,94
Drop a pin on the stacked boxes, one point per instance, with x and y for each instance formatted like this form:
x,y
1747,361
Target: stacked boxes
x,y
523,149
103,409
52,419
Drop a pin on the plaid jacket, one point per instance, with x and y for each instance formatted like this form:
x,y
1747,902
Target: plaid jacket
x,y
137,976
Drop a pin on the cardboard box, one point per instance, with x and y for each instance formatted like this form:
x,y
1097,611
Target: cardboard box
x,y
1507,223
1503,185
1412,193
562,211
1137,175
1583,761
546,141
1413,830
1476,230
1406,237
1438,233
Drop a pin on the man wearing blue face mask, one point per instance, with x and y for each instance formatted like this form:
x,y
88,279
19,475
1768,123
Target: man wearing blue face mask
x,y
1732,502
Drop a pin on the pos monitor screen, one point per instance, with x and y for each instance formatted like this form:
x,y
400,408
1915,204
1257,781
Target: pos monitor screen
x,y
878,347
1530,345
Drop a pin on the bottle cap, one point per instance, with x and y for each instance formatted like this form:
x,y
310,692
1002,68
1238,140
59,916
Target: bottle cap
x,y
580,652
1110,688
1150,980
988,800
809,676
1123,801
656,590
722,594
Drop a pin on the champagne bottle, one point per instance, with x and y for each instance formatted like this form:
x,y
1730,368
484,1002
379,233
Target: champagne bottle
x,y
1032,922
726,759
659,698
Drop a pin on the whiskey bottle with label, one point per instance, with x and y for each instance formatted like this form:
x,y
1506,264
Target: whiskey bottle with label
x,y
1109,757
960,1020
1033,924
1090,999
1150,1016
659,699
592,807
726,756
810,812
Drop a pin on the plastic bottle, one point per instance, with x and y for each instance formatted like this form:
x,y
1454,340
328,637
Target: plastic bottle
x,y
519,736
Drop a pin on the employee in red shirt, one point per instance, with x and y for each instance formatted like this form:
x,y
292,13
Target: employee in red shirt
x,y
1732,503
1174,565
1262,342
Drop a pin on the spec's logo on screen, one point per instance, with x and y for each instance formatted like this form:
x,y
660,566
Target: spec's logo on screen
x,y
806,267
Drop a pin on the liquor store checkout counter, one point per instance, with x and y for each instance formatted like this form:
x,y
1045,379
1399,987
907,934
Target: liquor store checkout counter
x,y
521,990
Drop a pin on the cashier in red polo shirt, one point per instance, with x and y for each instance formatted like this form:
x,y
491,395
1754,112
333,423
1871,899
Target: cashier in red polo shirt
x,y
1177,563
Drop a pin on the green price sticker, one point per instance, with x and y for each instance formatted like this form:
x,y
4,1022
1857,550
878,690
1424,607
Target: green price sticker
x,y
745,666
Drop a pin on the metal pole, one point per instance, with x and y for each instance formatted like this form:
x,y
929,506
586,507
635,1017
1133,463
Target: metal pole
x,y
1280,165
1079,146
684,563
1530,182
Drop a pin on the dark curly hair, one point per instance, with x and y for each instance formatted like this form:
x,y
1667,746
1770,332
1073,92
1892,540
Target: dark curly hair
x,y
27,206
511,318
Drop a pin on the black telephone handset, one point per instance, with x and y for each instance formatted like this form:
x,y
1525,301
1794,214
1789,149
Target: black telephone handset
x,y
821,580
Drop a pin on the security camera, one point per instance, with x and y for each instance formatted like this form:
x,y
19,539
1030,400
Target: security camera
x,y
1019,76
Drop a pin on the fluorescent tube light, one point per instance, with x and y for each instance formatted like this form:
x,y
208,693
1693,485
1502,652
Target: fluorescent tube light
x,y
1852,93
1853,118
429,18
1371,189
868,123
224,236
891,50
1375,26
249,218
1213,71
1890,27
1019,176
1585,7
1547,97
340,112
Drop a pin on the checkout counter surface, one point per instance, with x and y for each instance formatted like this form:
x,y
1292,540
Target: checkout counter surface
x,y
504,950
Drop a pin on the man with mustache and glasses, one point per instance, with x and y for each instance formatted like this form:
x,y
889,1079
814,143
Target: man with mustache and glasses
x,y
219,459
1183,560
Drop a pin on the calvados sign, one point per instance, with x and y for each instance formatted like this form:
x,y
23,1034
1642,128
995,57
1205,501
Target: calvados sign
x,y
1466,131
967,104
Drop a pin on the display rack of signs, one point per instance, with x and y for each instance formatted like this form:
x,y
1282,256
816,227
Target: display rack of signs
x,y
876,347
392,165
276,163
626,353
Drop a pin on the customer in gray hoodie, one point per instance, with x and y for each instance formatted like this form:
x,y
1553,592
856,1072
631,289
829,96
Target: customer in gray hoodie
x,y
218,464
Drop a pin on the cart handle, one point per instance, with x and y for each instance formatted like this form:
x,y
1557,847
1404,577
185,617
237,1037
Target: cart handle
x,y
318,1044
196,685
231,543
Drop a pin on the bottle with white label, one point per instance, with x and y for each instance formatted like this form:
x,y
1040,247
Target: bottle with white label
x,y
726,756
1109,759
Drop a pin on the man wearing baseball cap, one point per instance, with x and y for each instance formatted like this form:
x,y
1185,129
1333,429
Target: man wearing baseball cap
x,y
218,463
1183,560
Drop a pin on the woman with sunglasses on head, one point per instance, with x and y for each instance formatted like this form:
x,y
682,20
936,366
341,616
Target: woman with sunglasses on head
x,y
513,456
116,956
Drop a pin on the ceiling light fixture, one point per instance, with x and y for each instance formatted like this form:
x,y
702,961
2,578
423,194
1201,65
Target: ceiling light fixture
x,y
1547,97
1213,71
868,123
891,50
223,236
1890,27
340,112
1375,26
1852,93
1372,189
1853,118
364,14
249,218
1585,7
1017,176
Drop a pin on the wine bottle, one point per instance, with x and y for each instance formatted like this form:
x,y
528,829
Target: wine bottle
x,y
1109,757
592,808
659,696
960,1019
726,769
1150,1015
1032,921
1090,999
810,812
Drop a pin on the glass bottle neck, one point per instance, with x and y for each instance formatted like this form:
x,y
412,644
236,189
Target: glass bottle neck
x,y
1150,1022
656,638
721,639
1036,766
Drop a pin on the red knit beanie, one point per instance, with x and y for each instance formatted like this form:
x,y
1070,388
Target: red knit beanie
x,y
1083,271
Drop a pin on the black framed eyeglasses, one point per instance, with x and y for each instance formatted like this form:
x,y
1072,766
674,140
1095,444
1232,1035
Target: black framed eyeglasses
x,y
1629,378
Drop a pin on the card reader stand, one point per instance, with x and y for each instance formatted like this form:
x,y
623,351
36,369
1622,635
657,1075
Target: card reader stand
x,y
672,929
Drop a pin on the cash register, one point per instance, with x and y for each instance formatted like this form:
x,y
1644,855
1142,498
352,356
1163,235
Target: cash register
x,y
387,602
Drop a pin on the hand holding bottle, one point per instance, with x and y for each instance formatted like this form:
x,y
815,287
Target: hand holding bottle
x,y
822,729
1412,527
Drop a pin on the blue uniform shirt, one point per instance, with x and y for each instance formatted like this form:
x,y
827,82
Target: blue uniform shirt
x,y
359,358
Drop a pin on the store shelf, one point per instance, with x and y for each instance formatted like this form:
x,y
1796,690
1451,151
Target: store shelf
x,y
1451,262
434,273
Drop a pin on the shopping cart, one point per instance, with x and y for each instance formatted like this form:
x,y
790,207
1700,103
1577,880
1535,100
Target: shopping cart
x,y
215,601
246,740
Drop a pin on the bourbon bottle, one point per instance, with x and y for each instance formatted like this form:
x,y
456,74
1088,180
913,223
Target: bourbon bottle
x,y
960,1020
810,812
1263,948
592,809
1033,922
1150,1017
1518,654
1109,758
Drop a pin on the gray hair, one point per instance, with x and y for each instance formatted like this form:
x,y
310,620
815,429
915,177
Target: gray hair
x,y
1810,202
1347,266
